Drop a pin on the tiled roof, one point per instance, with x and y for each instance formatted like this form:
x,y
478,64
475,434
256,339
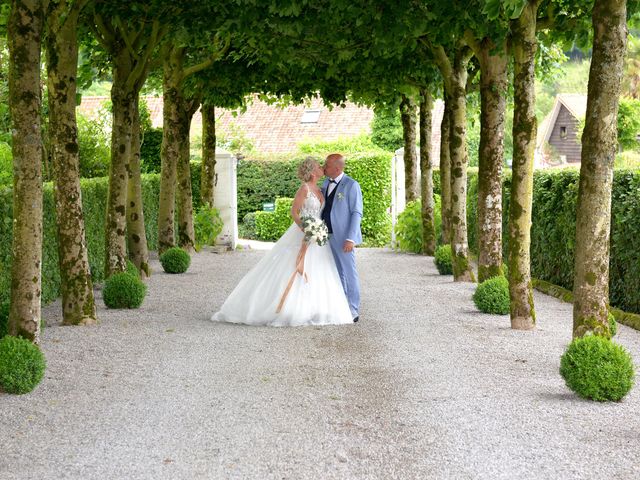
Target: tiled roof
x,y
278,130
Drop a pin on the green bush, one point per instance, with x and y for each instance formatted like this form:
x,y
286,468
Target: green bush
x,y
442,259
94,196
409,226
247,229
270,226
150,150
132,269
346,146
386,129
22,365
93,148
613,325
492,296
208,225
124,290
596,368
4,317
175,260
6,164
628,123
553,230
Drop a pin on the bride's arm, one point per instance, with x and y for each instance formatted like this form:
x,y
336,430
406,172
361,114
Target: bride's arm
x,y
298,200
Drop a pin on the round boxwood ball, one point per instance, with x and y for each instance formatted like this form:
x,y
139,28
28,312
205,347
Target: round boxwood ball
x,y
22,365
442,259
175,260
613,325
124,290
594,367
492,296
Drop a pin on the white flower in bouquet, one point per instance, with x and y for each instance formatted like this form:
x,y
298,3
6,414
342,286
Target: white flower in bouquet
x,y
315,230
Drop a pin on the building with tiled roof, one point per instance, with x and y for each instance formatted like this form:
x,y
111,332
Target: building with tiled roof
x,y
271,129
274,129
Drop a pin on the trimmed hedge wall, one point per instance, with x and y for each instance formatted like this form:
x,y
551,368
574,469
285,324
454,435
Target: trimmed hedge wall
x,y
272,225
263,181
555,197
94,195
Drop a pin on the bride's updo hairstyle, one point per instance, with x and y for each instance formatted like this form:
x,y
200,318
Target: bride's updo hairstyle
x,y
306,168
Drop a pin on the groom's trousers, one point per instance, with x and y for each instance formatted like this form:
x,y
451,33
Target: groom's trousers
x,y
346,263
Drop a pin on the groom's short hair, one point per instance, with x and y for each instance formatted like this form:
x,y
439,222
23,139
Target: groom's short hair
x,y
337,157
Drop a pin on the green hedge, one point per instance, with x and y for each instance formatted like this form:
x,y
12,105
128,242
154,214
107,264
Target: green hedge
x,y
555,196
263,181
271,225
94,195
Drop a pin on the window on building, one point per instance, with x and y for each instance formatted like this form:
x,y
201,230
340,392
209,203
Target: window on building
x,y
310,116
563,132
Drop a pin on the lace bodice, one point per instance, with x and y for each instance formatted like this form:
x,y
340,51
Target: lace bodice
x,y
312,206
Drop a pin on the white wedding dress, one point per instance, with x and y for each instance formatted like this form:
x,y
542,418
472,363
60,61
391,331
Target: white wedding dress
x,y
320,300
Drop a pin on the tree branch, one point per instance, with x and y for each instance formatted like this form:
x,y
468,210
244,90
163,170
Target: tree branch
x,y
125,37
473,42
209,61
103,33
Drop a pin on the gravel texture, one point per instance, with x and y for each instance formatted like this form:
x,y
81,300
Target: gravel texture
x,y
423,386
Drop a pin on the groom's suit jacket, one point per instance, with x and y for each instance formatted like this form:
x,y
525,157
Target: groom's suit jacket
x,y
346,212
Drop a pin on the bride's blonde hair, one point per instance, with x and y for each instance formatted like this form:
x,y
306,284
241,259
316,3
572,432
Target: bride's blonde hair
x,y
306,168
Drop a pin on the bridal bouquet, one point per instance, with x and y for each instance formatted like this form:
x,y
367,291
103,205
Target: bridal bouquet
x,y
315,230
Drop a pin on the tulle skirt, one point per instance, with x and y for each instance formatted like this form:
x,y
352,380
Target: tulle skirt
x,y
317,300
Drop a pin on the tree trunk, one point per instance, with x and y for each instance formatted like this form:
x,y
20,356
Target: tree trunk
x,y
136,234
207,177
599,142
25,26
123,99
462,271
493,90
445,172
78,305
408,118
523,32
426,175
186,232
173,121
116,249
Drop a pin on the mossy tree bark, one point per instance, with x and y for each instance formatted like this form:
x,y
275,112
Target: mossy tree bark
x,y
207,177
455,74
493,90
131,47
184,200
25,26
599,143
408,119
78,304
177,113
445,172
136,234
426,175
524,45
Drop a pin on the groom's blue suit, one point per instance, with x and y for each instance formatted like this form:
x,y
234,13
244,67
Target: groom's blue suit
x,y
343,213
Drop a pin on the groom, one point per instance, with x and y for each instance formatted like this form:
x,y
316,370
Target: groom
x,y
342,214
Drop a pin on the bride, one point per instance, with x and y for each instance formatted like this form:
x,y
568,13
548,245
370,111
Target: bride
x,y
283,291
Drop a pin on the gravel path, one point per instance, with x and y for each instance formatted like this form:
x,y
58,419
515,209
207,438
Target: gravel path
x,y
423,387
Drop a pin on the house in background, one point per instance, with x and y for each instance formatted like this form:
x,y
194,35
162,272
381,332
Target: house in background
x,y
558,142
273,129
270,128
